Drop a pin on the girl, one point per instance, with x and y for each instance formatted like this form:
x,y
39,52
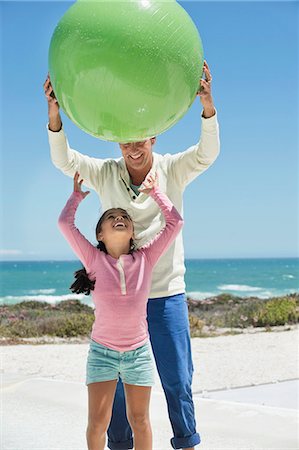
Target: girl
x,y
120,279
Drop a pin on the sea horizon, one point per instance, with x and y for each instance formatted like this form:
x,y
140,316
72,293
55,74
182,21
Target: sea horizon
x,y
186,258
49,280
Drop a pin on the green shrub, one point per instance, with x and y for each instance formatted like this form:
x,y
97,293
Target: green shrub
x,y
34,319
73,306
32,304
72,318
19,328
227,311
276,312
74,325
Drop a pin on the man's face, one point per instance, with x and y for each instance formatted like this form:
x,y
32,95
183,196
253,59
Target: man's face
x,y
138,155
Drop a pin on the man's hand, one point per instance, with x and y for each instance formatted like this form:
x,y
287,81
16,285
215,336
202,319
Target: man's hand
x,y
205,94
52,100
55,123
151,181
78,185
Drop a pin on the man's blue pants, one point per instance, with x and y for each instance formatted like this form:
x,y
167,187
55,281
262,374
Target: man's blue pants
x,y
170,338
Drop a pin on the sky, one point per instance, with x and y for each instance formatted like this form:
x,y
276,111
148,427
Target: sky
x,y
245,205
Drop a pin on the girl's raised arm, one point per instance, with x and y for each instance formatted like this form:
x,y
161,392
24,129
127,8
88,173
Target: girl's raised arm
x,y
174,221
85,251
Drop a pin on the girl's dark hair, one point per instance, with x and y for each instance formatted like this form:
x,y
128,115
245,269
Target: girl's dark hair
x,y
83,284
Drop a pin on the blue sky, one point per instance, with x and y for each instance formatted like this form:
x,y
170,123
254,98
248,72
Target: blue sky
x,y
246,205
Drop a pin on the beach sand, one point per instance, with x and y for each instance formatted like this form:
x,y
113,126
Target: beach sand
x,y
43,391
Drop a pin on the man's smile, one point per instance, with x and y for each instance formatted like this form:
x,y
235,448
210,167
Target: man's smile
x,y
135,156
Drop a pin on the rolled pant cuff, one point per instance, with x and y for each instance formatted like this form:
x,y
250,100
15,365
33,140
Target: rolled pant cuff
x,y
123,445
185,442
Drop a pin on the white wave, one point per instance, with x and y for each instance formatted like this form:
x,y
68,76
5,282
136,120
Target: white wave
x,y
239,287
42,291
200,295
288,276
42,298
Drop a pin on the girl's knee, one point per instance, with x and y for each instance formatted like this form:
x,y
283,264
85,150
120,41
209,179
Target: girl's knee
x,y
139,420
98,424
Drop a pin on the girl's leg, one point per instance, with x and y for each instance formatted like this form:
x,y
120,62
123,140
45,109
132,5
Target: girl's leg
x,y
100,400
137,401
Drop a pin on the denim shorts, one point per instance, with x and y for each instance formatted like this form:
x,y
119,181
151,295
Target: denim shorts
x,y
133,367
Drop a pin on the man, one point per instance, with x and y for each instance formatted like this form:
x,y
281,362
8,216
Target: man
x,y
117,181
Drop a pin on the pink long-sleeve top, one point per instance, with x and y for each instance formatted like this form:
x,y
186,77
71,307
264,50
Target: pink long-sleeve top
x,y
122,285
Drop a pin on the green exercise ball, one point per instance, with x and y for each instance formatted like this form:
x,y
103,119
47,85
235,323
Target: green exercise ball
x,y
125,70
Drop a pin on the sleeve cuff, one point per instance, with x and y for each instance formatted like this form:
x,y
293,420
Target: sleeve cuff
x,y
209,123
54,131
55,136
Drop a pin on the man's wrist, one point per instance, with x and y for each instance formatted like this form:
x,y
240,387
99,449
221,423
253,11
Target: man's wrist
x,y
54,129
55,124
208,106
208,111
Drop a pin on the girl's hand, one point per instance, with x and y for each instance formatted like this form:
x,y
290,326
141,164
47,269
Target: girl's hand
x,y
78,185
151,181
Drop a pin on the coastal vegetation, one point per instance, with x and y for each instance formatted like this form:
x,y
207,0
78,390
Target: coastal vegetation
x,y
223,314
229,314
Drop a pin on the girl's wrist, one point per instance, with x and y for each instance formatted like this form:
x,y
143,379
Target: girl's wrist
x,y
153,190
78,193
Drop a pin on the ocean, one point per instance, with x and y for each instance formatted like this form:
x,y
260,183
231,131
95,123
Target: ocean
x,y
50,280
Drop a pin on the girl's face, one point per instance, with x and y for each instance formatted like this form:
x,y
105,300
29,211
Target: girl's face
x,y
116,224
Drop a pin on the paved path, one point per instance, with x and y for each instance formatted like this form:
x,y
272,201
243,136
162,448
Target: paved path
x,y
46,414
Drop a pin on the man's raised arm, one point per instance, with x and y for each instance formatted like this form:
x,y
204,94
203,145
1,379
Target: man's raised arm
x,y
187,165
69,161
55,123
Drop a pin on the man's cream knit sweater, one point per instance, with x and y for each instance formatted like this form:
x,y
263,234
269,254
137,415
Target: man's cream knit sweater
x,y
111,180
